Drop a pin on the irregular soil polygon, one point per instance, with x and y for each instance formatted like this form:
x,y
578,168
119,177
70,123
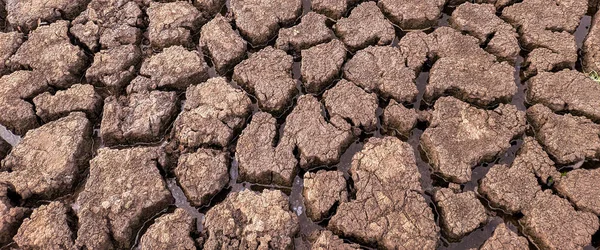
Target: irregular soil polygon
x,y
175,68
222,44
27,14
258,21
399,119
311,31
46,228
325,239
267,75
114,68
352,103
214,110
460,213
9,44
322,64
251,220
117,201
582,187
172,23
259,159
334,9
389,210
569,139
170,231
504,238
202,174
323,190
412,14
82,98
365,26
18,115
461,136
49,160
319,142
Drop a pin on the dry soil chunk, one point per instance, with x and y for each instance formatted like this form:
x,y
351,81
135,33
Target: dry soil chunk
x,y
582,187
47,163
513,188
221,43
591,47
112,23
334,9
138,117
267,75
29,13
413,14
208,8
311,31
322,64
319,142
170,231
9,43
11,217
365,26
552,223
211,114
504,238
388,211
259,20
79,97
460,213
114,68
567,90
175,67
322,191
172,23
349,101
399,119
480,21
259,159
325,240
568,138
546,29
47,228
461,136
386,73
117,201
202,174
251,220
18,115
479,81
49,51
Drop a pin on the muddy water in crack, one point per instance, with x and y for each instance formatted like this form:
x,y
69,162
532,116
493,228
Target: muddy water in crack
x,y
9,137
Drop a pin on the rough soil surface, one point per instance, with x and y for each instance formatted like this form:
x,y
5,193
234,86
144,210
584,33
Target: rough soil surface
x,y
114,204
299,124
78,97
175,68
18,115
46,228
504,238
211,114
461,213
322,191
349,102
258,21
553,223
461,136
566,90
137,118
322,64
567,138
170,231
114,68
267,75
512,188
311,31
365,26
222,44
251,220
389,210
386,74
412,14
50,159
202,174
319,142
48,50
260,159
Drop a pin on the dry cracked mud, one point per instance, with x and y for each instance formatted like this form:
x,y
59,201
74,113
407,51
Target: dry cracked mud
x,y
300,124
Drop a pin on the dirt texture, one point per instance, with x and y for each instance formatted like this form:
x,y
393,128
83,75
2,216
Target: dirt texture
x,y
175,68
461,213
46,228
78,98
351,103
365,26
170,231
222,44
114,68
322,64
504,238
322,191
202,175
258,21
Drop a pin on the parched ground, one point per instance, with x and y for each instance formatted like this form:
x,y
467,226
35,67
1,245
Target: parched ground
x,y
300,124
